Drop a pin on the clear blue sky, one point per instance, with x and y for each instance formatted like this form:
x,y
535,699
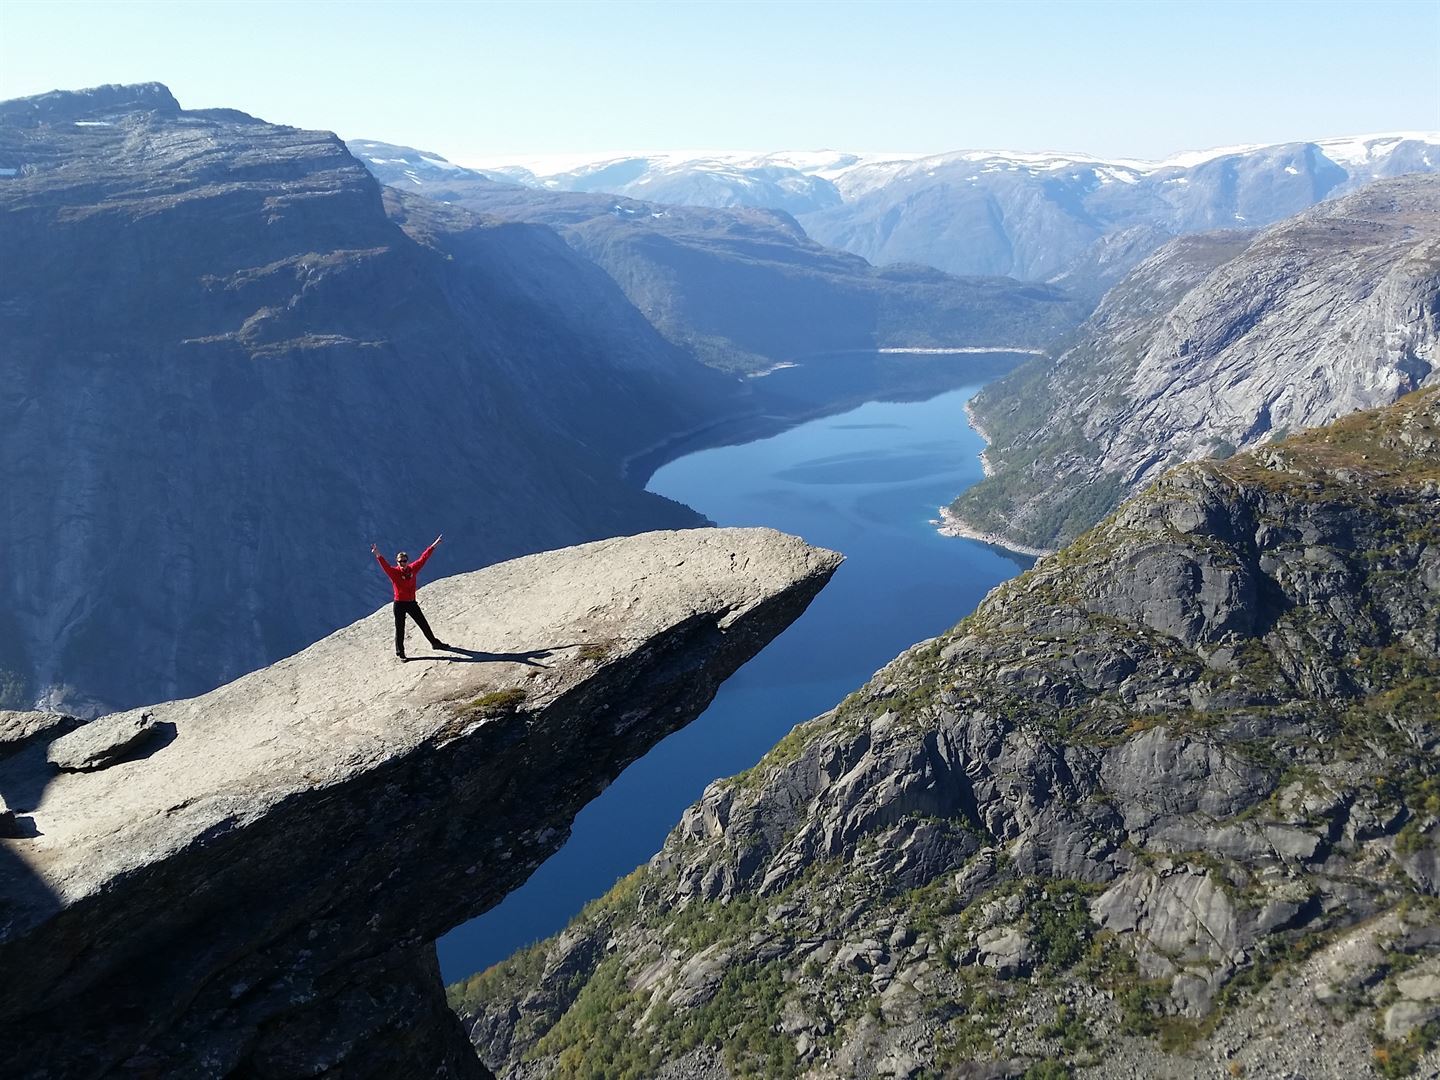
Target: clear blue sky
x,y
474,80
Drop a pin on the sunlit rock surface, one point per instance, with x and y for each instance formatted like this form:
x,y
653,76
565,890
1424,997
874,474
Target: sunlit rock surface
x,y
255,886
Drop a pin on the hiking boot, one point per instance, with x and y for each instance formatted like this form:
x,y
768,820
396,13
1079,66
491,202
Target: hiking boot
x,y
402,656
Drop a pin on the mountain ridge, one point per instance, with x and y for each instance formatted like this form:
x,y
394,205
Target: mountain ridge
x,y
1215,343
746,288
1034,216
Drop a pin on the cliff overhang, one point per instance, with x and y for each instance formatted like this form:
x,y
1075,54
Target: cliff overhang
x,y
254,884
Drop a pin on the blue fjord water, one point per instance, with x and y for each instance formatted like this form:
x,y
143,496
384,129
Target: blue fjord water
x,y
866,483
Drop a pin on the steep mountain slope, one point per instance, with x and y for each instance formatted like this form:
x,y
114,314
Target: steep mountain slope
x,y
1217,342
232,360
1166,805
745,288
250,883
1033,216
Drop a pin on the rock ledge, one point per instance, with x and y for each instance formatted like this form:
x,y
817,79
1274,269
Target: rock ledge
x,y
257,886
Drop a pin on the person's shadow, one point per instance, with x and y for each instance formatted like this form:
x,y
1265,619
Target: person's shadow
x,y
530,657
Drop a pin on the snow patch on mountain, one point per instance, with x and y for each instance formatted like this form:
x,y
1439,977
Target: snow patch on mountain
x,y
1368,149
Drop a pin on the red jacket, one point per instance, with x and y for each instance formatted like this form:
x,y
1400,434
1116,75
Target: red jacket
x,y
404,579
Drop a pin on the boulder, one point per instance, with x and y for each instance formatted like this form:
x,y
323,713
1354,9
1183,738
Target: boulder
x,y
102,742
1005,950
17,728
1405,1016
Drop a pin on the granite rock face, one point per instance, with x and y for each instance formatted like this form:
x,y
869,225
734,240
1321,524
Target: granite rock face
x,y
18,727
234,360
256,890
1218,342
1166,805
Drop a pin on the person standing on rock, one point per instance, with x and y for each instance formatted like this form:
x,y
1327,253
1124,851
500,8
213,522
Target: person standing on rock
x,y
403,577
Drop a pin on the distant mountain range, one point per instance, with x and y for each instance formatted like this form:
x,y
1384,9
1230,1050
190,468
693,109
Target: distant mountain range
x,y
1035,216
744,287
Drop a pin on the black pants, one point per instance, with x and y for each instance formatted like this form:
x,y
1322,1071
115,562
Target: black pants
x,y
411,608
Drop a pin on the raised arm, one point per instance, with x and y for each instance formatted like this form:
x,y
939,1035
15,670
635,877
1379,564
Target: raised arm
x,y
380,559
420,560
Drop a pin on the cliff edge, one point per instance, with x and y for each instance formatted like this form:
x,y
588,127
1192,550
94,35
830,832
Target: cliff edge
x,y
251,881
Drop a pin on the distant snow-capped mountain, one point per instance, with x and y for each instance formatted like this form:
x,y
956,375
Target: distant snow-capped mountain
x,y
852,174
1037,216
419,171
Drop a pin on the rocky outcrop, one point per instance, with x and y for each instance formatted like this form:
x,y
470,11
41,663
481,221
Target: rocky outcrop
x,y
233,360
1166,805
744,288
1218,342
254,888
